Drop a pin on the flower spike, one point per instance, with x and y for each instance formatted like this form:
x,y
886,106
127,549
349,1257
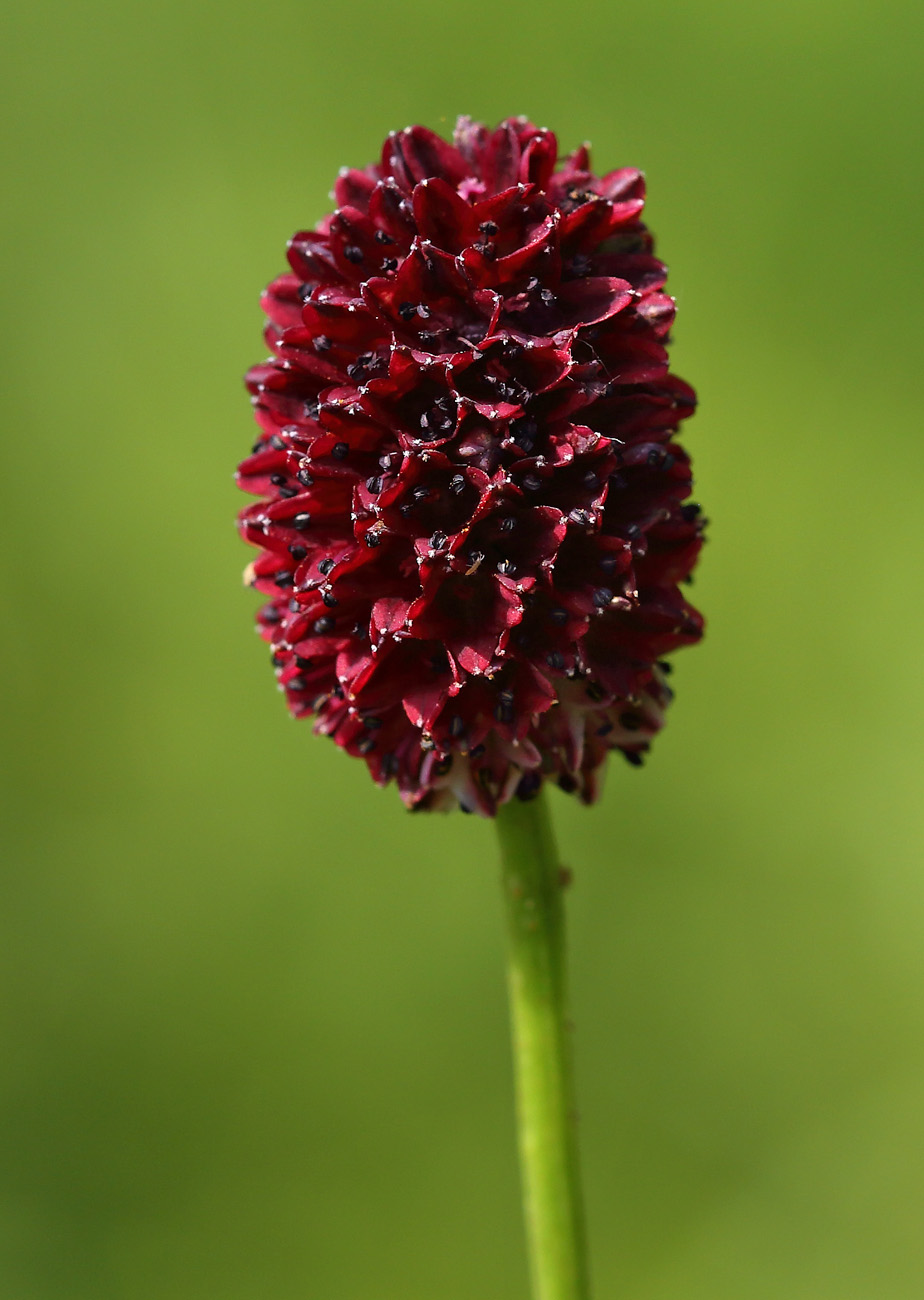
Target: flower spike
x,y
472,512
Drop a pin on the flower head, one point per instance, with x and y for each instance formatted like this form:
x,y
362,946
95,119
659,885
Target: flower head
x,y
471,513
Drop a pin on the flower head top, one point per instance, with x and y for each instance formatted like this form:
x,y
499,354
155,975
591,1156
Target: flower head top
x,y
471,513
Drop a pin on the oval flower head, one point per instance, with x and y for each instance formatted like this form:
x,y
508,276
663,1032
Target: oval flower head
x,y
471,505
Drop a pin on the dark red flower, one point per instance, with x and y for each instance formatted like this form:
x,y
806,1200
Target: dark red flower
x,y
471,513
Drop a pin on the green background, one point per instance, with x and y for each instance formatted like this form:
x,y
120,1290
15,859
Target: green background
x,y
254,1037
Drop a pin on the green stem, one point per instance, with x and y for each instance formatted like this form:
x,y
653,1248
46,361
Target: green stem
x,y
533,883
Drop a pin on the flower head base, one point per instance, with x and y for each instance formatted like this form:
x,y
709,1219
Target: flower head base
x,y
471,519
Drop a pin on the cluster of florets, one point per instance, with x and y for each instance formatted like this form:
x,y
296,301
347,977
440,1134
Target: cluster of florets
x,y
471,520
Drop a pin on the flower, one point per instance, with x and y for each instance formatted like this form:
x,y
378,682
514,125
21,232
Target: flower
x,y
471,513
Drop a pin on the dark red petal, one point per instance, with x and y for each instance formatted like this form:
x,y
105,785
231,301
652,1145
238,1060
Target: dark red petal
x,y
311,259
402,669
415,154
538,159
282,301
536,256
353,246
621,185
587,302
442,217
468,613
354,188
471,139
502,161
391,212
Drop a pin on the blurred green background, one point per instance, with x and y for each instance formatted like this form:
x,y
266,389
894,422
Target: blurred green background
x,y
254,1037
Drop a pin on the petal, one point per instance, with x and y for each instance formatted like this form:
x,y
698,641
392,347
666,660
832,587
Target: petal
x,y
354,188
416,153
442,216
586,302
